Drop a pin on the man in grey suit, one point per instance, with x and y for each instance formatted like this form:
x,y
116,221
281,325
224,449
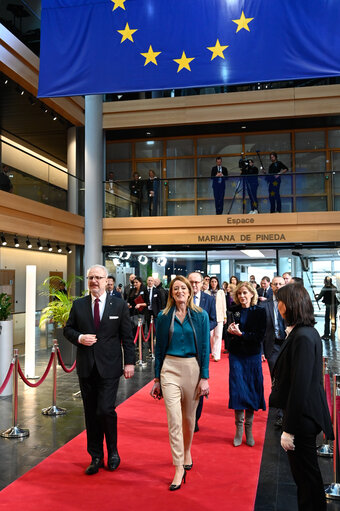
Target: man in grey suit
x,y
275,333
99,325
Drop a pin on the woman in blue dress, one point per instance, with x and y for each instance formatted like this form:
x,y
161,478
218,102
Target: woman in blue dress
x,y
247,324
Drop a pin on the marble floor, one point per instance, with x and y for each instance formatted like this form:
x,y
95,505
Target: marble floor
x,y
276,489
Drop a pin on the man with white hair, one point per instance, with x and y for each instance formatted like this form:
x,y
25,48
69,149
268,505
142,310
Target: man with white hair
x,y
99,325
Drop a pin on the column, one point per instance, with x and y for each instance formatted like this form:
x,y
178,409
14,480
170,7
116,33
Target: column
x,y
94,171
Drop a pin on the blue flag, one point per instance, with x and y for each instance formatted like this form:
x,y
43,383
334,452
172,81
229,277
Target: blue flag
x,y
106,46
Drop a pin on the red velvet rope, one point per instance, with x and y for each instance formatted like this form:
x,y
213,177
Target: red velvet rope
x,y
6,380
149,333
329,394
63,365
137,333
42,379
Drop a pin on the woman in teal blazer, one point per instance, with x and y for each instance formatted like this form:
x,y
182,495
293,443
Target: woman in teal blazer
x,y
181,369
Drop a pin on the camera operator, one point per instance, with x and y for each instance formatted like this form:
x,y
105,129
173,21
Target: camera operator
x,y
276,168
251,183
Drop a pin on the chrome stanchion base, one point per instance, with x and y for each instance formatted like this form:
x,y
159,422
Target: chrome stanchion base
x,y
53,410
15,432
325,450
140,363
333,491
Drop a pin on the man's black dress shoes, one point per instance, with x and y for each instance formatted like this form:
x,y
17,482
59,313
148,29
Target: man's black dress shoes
x,y
113,461
95,465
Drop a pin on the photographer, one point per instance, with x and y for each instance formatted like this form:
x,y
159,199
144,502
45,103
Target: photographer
x,y
251,182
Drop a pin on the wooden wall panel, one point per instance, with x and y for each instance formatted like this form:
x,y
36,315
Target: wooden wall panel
x,y
26,217
224,229
237,106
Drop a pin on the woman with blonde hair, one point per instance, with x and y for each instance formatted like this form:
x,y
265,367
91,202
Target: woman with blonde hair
x,y
181,370
246,328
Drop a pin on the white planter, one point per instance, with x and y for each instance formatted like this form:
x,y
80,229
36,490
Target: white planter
x,y
6,354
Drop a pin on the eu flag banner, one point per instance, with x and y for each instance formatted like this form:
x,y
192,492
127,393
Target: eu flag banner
x,y
106,46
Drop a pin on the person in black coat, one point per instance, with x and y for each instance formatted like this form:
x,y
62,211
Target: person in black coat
x,y
136,192
99,325
276,168
329,298
218,177
297,388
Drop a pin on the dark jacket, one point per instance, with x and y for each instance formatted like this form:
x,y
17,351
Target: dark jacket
x,y
250,342
269,337
297,382
114,333
207,303
200,322
328,295
156,302
269,293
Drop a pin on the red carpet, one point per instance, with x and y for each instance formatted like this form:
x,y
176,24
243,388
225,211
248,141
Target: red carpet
x,y
223,477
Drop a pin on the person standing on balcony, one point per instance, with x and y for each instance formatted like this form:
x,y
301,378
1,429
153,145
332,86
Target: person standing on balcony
x,y
276,168
136,192
152,186
218,177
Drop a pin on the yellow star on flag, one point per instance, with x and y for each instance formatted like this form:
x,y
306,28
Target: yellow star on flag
x,y
118,3
217,50
127,33
183,62
243,22
150,56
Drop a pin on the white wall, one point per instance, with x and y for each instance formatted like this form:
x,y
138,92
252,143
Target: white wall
x,y
16,259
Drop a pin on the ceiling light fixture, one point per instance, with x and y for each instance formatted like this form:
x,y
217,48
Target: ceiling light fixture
x,y
68,250
253,253
28,243
59,249
3,240
16,242
39,245
142,259
49,247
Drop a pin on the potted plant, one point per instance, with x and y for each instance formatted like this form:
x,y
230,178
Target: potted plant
x,y
6,340
58,310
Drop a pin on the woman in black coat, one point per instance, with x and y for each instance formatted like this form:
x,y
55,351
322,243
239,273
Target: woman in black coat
x,y
297,389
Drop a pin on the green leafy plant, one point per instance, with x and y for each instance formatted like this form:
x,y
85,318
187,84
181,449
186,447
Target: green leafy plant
x,y
58,309
5,306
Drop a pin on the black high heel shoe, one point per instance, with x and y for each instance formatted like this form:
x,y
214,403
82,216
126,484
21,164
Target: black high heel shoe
x,y
188,467
174,487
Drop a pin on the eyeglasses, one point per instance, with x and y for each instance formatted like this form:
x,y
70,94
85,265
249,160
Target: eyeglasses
x,y
95,277
195,282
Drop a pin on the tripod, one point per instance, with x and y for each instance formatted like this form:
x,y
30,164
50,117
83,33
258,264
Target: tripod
x,y
241,184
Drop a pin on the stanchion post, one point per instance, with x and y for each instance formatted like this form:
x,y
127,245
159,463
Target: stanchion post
x,y
54,409
15,431
140,362
152,340
333,490
326,449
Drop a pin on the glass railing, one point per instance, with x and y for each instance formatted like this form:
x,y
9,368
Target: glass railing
x,y
301,191
52,189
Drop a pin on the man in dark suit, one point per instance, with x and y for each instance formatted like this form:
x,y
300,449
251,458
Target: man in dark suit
x,y
265,292
153,300
207,303
129,287
99,325
275,333
110,288
218,177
